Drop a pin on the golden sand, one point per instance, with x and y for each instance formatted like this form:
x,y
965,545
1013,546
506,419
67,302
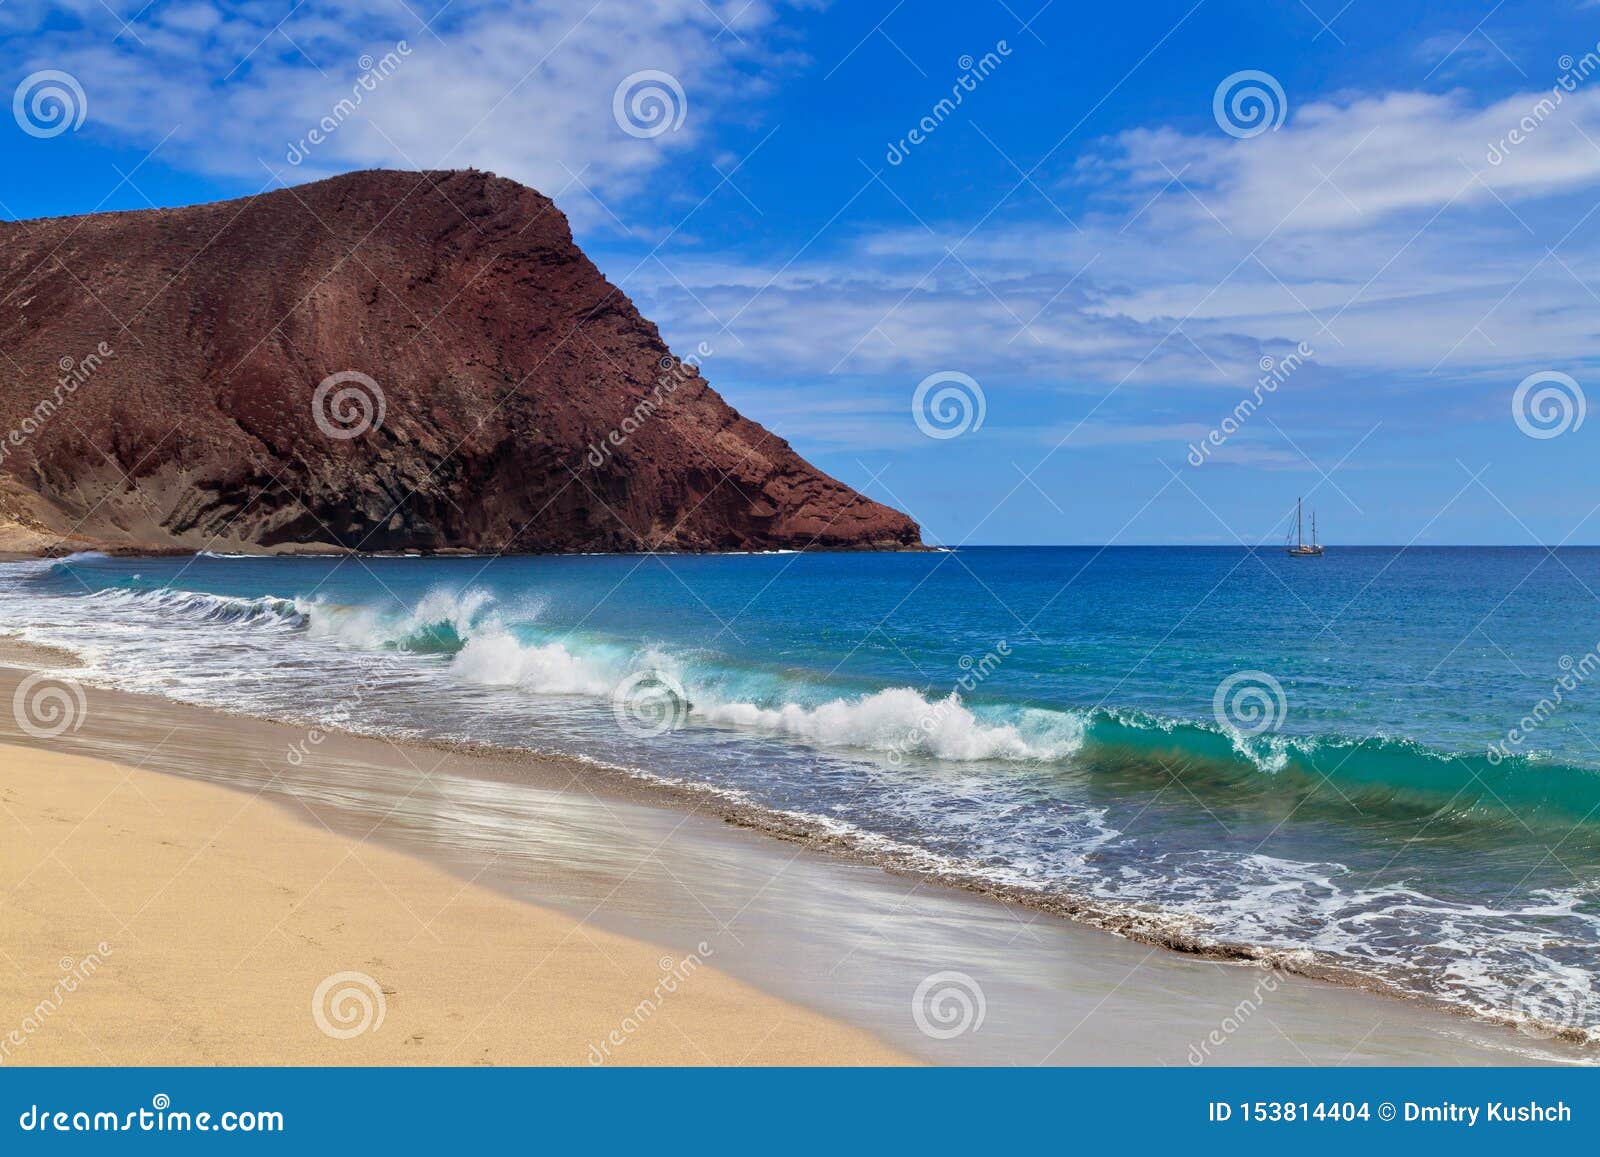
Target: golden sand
x,y
150,919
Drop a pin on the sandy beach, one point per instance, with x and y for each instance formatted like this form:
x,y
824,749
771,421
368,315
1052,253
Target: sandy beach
x,y
154,920
527,910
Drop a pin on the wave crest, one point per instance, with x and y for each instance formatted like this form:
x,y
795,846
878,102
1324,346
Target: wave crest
x,y
488,645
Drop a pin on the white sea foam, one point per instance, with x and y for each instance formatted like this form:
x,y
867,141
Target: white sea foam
x,y
897,719
496,658
902,719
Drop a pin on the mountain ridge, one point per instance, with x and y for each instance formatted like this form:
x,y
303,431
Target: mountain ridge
x,y
383,361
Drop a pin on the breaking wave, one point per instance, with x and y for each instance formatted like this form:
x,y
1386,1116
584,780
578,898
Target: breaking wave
x,y
489,645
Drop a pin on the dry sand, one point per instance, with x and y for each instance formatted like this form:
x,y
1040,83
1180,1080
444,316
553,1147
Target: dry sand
x,y
150,919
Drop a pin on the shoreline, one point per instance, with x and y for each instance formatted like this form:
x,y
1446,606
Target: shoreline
x,y
706,827
325,551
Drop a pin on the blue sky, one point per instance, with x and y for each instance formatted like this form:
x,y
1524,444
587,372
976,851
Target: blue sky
x,y
1104,255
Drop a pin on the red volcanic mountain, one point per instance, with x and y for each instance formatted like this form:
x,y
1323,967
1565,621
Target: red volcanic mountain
x,y
381,361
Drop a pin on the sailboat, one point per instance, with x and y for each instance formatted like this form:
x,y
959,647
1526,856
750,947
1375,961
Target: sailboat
x,y
1302,548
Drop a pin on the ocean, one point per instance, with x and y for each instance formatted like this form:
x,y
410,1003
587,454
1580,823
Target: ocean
x,y
1381,764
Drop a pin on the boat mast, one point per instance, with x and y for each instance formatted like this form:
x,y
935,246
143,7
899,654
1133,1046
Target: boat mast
x,y
1313,528
1299,539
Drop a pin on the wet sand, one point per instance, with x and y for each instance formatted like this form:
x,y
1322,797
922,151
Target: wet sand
x,y
930,972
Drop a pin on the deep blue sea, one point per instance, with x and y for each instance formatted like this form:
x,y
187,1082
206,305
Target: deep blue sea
x,y
1381,760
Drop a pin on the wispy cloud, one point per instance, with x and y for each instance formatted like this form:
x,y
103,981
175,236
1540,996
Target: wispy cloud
x,y
1409,237
525,91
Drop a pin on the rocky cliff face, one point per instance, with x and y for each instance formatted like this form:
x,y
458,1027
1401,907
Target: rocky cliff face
x,y
381,361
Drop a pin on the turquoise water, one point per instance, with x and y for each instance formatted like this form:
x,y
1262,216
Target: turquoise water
x,y
1382,760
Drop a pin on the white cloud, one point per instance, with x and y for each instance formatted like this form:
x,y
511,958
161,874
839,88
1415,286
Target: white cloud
x,y
1351,165
1373,226
523,91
